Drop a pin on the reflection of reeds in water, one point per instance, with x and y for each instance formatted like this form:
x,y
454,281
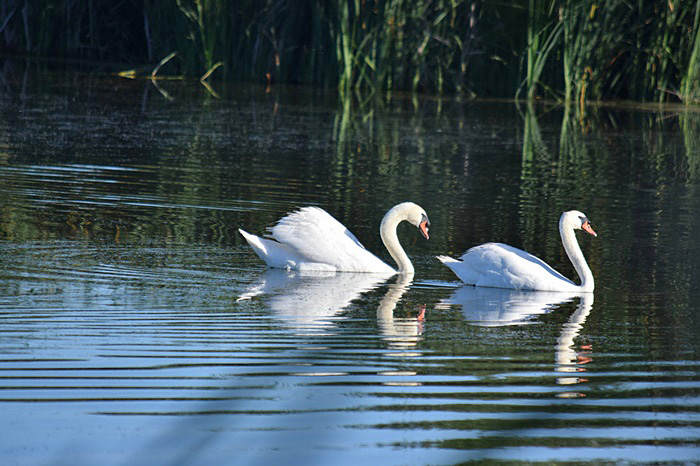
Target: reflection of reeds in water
x,y
646,195
690,126
534,154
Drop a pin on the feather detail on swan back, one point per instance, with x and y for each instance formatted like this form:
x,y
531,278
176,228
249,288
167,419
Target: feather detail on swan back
x,y
309,223
320,239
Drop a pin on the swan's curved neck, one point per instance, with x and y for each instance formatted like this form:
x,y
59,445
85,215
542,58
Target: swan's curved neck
x,y
391,241
573,250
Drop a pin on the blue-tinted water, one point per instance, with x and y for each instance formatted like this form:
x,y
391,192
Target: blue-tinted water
x,y
137,327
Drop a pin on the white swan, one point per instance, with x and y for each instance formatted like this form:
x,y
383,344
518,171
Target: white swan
x,y
498,265
311,239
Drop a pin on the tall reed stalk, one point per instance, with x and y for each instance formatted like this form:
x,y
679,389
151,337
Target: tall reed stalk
x,y
543,32
571,49
690,82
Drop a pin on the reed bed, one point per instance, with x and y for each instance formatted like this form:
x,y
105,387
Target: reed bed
x,y
571,50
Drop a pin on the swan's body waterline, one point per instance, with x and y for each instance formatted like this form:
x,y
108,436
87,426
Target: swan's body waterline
x,y
498,265
311,239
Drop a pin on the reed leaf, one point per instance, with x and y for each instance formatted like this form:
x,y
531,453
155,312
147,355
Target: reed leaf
x,y
580,50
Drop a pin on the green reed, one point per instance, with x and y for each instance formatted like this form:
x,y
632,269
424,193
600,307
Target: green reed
x,y
690,80
543,33
573,50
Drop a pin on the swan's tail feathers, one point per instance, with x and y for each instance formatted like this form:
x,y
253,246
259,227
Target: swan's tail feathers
x,y
446,259
253,240
257,243
455,265
275,255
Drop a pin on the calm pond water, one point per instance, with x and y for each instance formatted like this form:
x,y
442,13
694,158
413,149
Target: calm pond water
x,y
137,327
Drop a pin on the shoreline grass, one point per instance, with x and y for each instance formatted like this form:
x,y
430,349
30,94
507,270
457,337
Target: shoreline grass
x,y
570,50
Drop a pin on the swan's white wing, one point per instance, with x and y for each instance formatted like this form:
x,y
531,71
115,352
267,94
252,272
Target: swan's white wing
x,y
308,220
501,266
325,243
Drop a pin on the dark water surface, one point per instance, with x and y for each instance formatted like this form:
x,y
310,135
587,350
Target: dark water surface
x,y
137,327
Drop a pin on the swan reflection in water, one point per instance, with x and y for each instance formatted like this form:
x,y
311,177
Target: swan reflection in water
x,y
566,357
494,307
312,301
399,332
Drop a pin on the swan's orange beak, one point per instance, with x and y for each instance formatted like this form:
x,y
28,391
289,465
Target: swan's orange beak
x,y
587,228
423,227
